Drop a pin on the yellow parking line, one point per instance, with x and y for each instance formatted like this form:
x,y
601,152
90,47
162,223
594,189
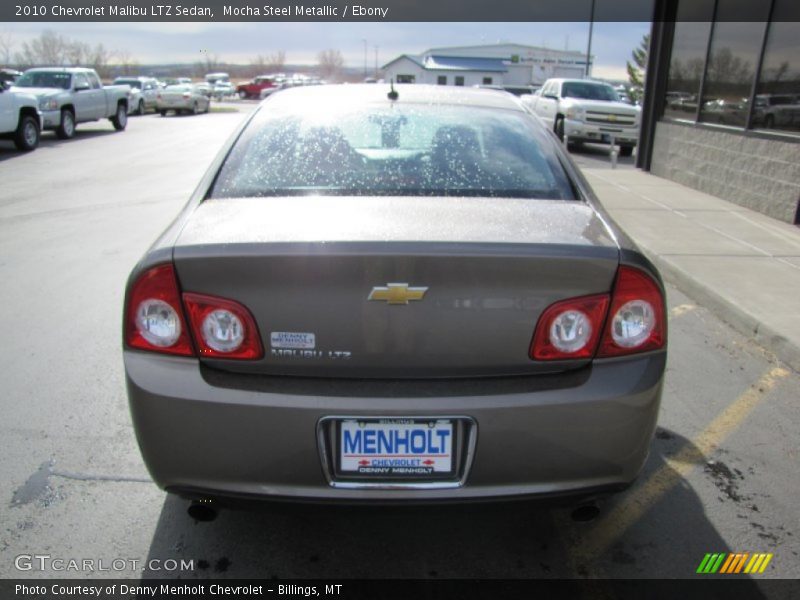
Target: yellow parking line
x,y
681,310
637,502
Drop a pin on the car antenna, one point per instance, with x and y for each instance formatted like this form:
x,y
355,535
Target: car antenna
x,y
392,95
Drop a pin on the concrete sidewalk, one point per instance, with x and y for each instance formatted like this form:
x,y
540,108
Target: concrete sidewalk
x,y
743,265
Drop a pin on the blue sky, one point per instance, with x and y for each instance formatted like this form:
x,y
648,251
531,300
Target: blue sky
x,y
239,42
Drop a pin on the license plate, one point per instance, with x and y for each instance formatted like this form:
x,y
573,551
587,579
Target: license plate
x,y
408,448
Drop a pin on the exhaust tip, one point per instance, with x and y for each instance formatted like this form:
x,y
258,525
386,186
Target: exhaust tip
x,y
585,513
202,510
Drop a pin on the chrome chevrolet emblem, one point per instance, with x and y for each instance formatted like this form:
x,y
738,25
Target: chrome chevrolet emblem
x,y
397,293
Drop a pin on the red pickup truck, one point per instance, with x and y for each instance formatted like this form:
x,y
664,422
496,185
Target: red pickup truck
x,y
252,89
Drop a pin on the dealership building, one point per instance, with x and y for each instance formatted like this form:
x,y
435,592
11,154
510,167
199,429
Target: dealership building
x,y
493,64
722,101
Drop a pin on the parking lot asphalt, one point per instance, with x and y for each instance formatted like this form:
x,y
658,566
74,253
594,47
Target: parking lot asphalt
x,y
75,217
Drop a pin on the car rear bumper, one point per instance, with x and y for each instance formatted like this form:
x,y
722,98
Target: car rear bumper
x,y
203,432
580,131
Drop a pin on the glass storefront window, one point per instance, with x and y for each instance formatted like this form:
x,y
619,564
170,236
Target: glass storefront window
x,y
688,58
777,102
732,62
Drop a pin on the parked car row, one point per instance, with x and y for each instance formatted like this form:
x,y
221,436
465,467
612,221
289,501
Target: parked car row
x,y
58,99
61,98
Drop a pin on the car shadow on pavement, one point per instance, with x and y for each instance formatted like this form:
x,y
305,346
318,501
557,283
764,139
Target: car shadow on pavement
x,y
49,140
506,540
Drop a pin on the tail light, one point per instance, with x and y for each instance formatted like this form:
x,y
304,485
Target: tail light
x,y
155,319
636,320
222,328
570,328
187,95
628,321
158,96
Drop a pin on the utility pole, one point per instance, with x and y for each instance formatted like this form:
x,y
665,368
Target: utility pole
x,y
365,57
376,63
589,47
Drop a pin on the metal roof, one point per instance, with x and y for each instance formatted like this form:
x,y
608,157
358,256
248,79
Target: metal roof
x,y
464,63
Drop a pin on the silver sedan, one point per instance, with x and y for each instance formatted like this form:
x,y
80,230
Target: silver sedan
x,y
182,98
400,294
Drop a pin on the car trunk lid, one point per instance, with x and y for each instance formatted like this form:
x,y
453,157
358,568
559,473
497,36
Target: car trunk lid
x,y
395,287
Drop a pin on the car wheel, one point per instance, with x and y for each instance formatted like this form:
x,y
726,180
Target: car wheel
x,y
66,129
626,150
120,118
27,136
559,128
140,109
195,110
242,94
163,113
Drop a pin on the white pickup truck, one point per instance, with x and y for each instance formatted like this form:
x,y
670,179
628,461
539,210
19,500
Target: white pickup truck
x,y
586,111
19,119
68,96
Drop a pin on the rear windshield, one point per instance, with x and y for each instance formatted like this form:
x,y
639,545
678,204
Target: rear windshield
x,y
588,91
51,79
410,150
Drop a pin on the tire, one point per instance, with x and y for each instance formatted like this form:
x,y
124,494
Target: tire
x,y
27,135
120,118
66,128
559,128
163,113
242,94
195,110
626,150
140,110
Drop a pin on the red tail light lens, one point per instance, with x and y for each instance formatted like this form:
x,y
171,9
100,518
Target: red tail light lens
x,y
222,328
631,320
154,317
636,319
570,329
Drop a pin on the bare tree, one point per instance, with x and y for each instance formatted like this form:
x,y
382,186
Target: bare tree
x,y
125,62
329,63
76,53
6,47
99,59
270,63
276,61
48,49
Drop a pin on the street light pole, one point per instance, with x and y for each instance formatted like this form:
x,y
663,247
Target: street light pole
x,y
376,63
365,57
589,47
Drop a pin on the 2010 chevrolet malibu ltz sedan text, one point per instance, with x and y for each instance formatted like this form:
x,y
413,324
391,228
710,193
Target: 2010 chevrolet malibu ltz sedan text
x,y
393,294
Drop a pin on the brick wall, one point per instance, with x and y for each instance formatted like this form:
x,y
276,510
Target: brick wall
x,y
757,173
